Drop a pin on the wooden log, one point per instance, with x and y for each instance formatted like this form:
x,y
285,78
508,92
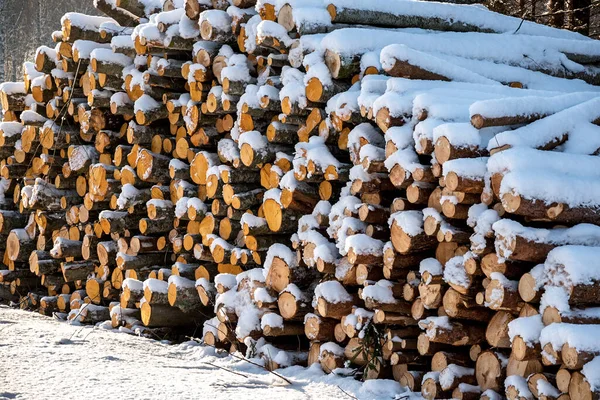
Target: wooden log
x,y
455,333
273,325
580,388
123,17
490,370
574,358
318,328
497,330
454,375
292,307
182,294
281,274
216,33
502,294
431,388
405,242
158,315
10,220
64,248
460,306
77,270
19,245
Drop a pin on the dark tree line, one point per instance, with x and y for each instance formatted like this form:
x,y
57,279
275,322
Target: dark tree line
x,y
27,24
581,16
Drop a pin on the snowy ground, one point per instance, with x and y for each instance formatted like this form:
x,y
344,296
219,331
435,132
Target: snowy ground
x,y
42,358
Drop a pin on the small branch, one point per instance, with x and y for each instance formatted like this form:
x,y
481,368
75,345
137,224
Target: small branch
x,y
520,23
246,360
89,333
346,393
226,369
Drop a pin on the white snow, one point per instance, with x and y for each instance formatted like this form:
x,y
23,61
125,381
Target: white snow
x,y
13,87
432,266
431,63
582,337
490,394
519,383
545,130
591,370
146,104
528,105
133,284
10,129
518,159
455,274
181,207
482,220
572,265
281,251
333,292
121,42
363,244
581,234
86,47
273,30
181,282
272,320
218,19
471,168
453,371
381,292
553,296
333,348
463,134
262,295
516,50
411,221
545,388
528,328
106,54
228,149
574,191
88,22
156,285
457,13
60,349
228,281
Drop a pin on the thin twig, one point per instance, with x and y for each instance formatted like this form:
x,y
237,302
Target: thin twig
x,y
520,23
85,305
90,332
245,359
346,393
225,369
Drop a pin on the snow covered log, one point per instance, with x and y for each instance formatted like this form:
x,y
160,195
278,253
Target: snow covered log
x,y
517,242
182,294
548,132
121,16
521,110
583,384
432,16
407,232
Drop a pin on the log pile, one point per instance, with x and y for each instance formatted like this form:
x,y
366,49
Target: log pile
x,y
310,189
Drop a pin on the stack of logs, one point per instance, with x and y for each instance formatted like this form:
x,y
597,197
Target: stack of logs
x,y
309,197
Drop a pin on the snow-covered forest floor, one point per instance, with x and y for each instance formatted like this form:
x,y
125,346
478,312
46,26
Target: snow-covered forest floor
x,y
44,358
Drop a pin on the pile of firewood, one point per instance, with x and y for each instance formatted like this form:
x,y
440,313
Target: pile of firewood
x,y
419,207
